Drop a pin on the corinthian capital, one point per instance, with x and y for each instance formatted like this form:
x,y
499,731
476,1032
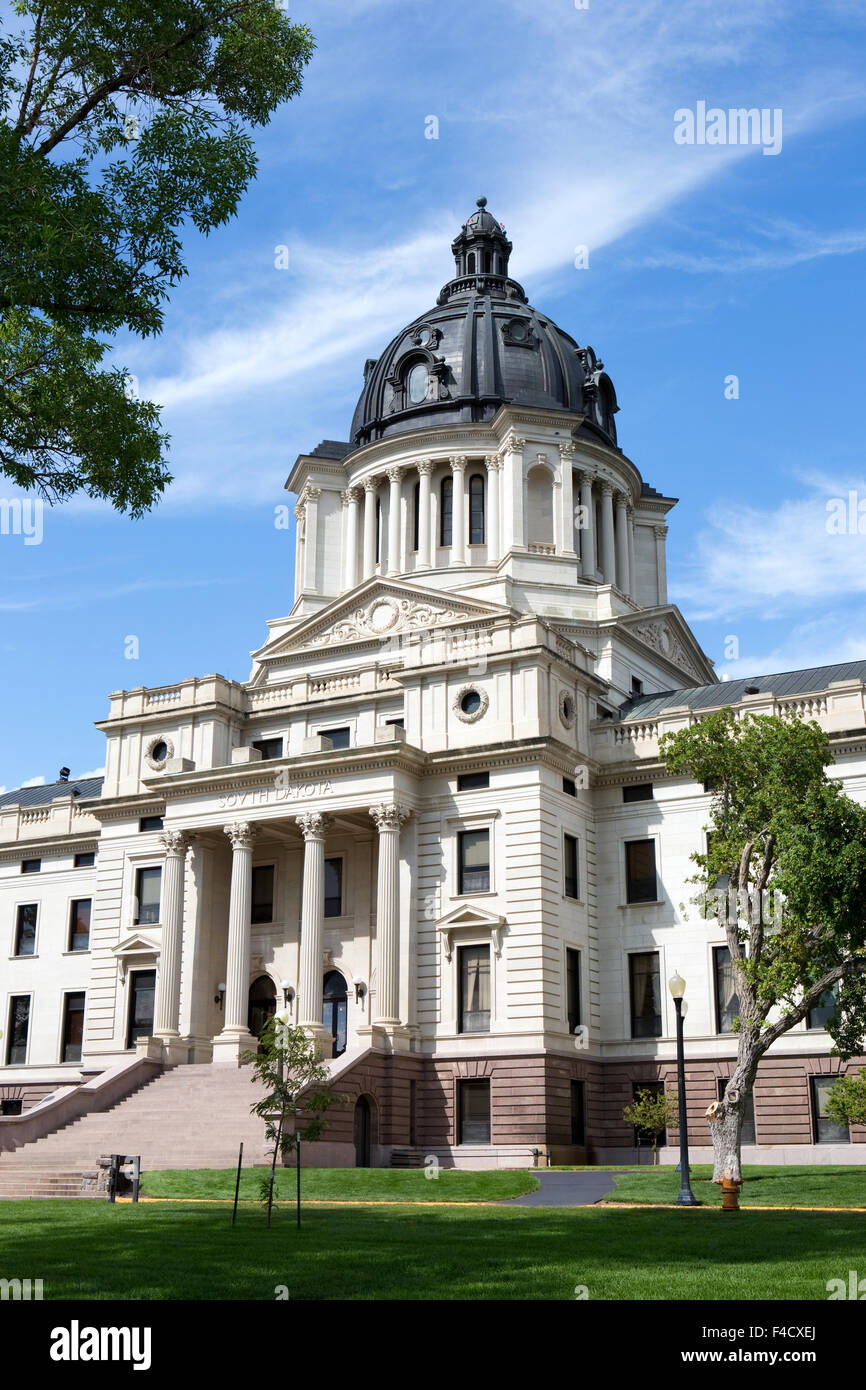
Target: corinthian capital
x,y
370,484
389,816
395,475
457,462
241,833
314,825
424,466
174,841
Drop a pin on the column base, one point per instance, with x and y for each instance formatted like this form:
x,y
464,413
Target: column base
x,y
228,1047
175,1049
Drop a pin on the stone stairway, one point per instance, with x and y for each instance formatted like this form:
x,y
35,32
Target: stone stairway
x,y
188,1117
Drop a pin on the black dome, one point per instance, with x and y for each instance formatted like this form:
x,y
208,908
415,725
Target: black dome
x,y
482,346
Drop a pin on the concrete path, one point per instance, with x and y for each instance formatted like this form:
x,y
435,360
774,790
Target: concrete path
x,y
566,1190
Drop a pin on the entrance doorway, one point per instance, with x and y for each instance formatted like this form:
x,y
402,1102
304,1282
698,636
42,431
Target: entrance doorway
x,y
142,992
335,1009
363,1127
263,1004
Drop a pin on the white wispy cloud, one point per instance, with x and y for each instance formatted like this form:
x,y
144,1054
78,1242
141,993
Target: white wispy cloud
x,y
777,245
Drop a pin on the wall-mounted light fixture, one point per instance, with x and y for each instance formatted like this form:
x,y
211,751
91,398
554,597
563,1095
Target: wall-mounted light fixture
x,y
288,994
220,995
360,989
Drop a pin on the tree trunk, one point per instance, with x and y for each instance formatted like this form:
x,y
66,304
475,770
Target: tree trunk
x,y
725,1117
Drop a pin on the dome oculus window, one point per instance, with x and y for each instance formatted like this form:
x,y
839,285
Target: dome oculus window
x,y
158,752
470,704
417,383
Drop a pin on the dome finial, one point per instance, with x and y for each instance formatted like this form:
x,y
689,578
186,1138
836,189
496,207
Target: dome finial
x,y
481,202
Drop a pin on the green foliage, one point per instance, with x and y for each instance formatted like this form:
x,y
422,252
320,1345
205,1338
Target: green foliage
x,y
793,847
846,1103
651,1112
121,123
297,1085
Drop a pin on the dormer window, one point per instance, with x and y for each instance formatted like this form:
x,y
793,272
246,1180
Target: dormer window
x,y
417,384
470,263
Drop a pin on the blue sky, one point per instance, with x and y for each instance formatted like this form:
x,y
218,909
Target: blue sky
x,y
704,262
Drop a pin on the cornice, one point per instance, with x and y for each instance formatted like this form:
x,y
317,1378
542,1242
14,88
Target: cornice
x,y
49,848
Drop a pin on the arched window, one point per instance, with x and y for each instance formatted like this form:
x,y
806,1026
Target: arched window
x,y
486,262
446,510
416,515
476,509
335,1009
470,264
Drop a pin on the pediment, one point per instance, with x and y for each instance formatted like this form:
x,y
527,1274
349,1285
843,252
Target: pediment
x,y
377,611
667,634
473,919
139,946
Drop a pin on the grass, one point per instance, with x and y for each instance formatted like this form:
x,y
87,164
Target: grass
x,y
345,1184
813,1186
92,1250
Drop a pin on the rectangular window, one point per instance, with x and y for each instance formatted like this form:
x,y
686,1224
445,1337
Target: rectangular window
x,y
646,995
578,1113
79,925
641,791
473,964
142,992
571,866
396,723
333,887
727,1002
31,866
640,871
473,781
569,786
474,861
747,1133
150,823
339,737
19,1027
473,1100
823,1011
147,892
85,860
268,747
262,908
25,929
446,511
572,988
827,1131
476,509
10,1107
73,1027
636,688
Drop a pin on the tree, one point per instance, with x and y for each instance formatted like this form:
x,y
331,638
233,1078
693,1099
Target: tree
x,y
121,123
651,1112
846,1103
785,870
289,1066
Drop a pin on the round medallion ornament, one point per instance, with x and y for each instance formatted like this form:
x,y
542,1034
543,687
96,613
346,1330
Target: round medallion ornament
x,y
158,752
383,615
470,704
566,708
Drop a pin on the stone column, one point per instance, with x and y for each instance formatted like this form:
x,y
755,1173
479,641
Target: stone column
x,y
311,531
235,1037
314,827
512,493
166,1017
395,478
608,560
425,556
588,562
389,819
632,576
458,507
491,462
661,563
371,487
350,566
623,581
566,454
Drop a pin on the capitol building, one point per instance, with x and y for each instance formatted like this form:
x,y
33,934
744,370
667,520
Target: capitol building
x,y
433,824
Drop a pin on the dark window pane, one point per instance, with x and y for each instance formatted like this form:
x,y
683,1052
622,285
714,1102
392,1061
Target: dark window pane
x,y
263,893
572,980
569,787
19,1027
640,867
142,992
11,1107
578,1122
446,495
31,866
269,747
73,1027
25,929
747,1133
333,887
473,781
471,702
335,1009
642,791
416,515
474,855
150,823
474,1107
727,1002
826,1131
476,509
572,873
646,998
148,882
85,860
823,1011
339,737
474,966
79,927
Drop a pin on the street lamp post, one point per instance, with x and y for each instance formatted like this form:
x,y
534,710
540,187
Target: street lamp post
x,y
685,1196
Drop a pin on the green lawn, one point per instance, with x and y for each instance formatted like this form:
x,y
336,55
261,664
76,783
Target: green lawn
x,y
92,1250
345,1184
812,1186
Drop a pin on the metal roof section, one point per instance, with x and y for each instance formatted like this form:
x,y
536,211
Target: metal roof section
x,y
43,795
781,685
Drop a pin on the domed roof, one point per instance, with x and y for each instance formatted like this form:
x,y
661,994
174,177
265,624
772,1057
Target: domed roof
x,y
480,347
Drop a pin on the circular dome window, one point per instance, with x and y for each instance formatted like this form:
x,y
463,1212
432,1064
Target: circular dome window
x,y
159,752
418,384
471,702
